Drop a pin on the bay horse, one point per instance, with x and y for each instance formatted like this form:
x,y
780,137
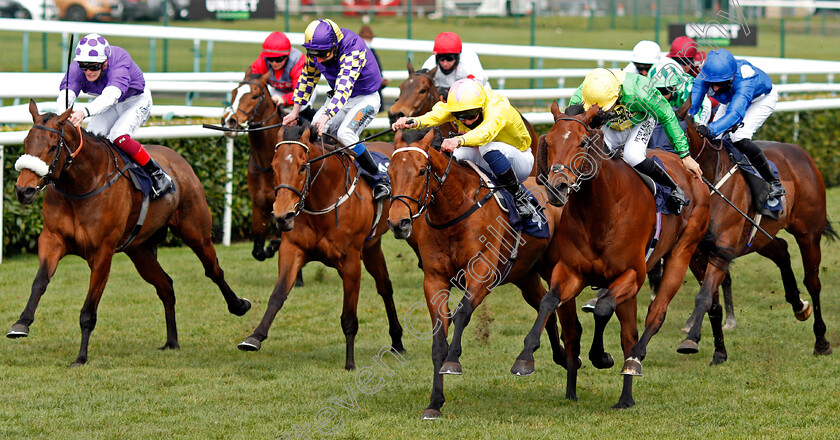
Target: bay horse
x,y
326,216
474,251
418,94
608,223
804,217
91,211
252,108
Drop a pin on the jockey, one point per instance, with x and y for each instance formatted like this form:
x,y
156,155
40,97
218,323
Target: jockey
x,y
123,102
684,52
645,54
494,135
747,96
453,63
285,64
675,86
631,113
352,73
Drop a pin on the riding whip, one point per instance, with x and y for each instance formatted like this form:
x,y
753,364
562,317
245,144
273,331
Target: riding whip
x,y
736,208
67,74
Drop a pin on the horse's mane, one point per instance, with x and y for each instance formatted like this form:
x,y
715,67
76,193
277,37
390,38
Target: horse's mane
x,y
423,71
597,121
412,136
49,115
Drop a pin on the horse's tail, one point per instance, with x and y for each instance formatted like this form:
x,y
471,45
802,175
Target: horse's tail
x,y
717,255
829,232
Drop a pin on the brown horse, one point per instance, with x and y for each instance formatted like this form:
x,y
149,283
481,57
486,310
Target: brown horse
x,y
608,223
327,215
253,109
90,211
804,216
475,251
418,94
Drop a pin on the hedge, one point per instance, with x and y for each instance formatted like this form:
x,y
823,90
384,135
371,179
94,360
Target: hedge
x,y
818,134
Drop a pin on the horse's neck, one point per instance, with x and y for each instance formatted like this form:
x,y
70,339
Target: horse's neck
x,y
262,145
599,198
457,191
89,169
713,160
329,177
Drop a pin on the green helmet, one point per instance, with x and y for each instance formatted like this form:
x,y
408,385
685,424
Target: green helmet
x,y
666,75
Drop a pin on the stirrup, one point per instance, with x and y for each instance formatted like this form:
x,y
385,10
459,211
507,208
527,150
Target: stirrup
x,y
161,182
776,190
676,201
523,205
381,191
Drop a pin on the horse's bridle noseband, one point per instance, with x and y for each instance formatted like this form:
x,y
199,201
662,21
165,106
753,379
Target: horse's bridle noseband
x,y
261,104
428,196
307,183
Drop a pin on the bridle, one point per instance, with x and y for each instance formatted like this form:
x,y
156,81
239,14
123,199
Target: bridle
x,y
429,95
428,196
259,107
62,146
573,171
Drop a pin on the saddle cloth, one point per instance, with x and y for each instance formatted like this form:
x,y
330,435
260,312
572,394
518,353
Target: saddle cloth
x,y
660,193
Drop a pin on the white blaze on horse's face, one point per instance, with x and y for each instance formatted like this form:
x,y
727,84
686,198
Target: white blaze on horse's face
x,y
289,158
240,92
566,136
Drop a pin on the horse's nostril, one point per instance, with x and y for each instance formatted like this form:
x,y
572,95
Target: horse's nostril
x,y
404,223
289,216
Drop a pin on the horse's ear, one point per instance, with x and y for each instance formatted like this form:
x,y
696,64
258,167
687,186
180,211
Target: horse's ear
x,y
683,110
542,159
304,137
248,72
66,115
433,72
428,138
555,110
264,78
410,68
33,109
590,114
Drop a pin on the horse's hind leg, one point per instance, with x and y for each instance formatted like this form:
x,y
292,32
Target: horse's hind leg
x,y
727,300
196,234
777,251
809,246
49,253
375,265
147,265
100,269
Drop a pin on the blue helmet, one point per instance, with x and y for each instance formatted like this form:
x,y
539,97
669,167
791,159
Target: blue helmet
x,y
720,66
322,35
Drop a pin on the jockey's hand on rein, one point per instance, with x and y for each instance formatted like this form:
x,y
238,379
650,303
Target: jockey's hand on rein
x,y
702,130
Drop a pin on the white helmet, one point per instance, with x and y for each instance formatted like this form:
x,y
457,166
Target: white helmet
x,y
92,48
646,52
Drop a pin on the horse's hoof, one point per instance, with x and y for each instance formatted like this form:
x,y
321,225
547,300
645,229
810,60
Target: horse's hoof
x,y
805,313
717,359
244,306
78,363
522,368
688,347
589,306
451,368
170,346
398,348
632,367
823,348
258,255
249,344
606,361
624,404
431,414
18,331
730,324
298,282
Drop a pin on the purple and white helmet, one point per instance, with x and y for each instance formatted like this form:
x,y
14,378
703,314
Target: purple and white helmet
x,y
92,48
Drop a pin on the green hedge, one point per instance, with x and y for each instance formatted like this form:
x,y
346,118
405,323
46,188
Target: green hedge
x,y
819,132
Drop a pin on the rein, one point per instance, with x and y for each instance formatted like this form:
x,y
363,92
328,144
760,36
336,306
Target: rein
x,y
428,196
572,170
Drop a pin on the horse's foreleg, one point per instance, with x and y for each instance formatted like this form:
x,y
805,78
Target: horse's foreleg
x,y
626,313
196,234
533,291
351,274
572,331
290,261
100,269
437,301
375,265
261,199
147,265
809,246
49,253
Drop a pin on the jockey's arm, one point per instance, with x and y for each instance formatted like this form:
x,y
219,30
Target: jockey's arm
x,y
698,92
306,84
297,69
437,116
351,67
110,95
735,111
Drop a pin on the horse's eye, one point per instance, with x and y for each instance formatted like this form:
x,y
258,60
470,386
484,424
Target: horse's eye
x,y
302,168
397,99
53,148
422,172
255,97
423,90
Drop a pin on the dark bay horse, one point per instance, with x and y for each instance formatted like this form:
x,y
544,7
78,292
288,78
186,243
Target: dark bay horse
x,y
474,252
418,94
91,211
326,214
252,108
804,216
608,223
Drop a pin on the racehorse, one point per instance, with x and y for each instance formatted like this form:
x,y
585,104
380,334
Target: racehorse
x,y
804,216
91,211
475,251
418,94
253,109
326,215
608,225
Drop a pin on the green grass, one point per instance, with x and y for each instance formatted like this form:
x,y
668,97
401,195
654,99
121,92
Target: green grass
x,y
771,387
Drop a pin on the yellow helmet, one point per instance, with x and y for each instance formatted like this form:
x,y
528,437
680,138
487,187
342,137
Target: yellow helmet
x,y
465,94
602,87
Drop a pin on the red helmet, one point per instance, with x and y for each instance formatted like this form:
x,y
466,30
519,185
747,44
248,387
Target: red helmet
x,y
447,42
276,44
683,47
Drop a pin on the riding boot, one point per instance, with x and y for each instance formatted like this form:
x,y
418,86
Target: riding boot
x,y
520,197
161,182
676,201
381,190
759,161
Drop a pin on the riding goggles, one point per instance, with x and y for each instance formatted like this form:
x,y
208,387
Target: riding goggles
x,y
722,86
643,67
278,59
467,115
318,53
446,57
93,67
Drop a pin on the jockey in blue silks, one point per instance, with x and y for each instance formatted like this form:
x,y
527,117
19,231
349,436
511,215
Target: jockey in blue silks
x,y
747,96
